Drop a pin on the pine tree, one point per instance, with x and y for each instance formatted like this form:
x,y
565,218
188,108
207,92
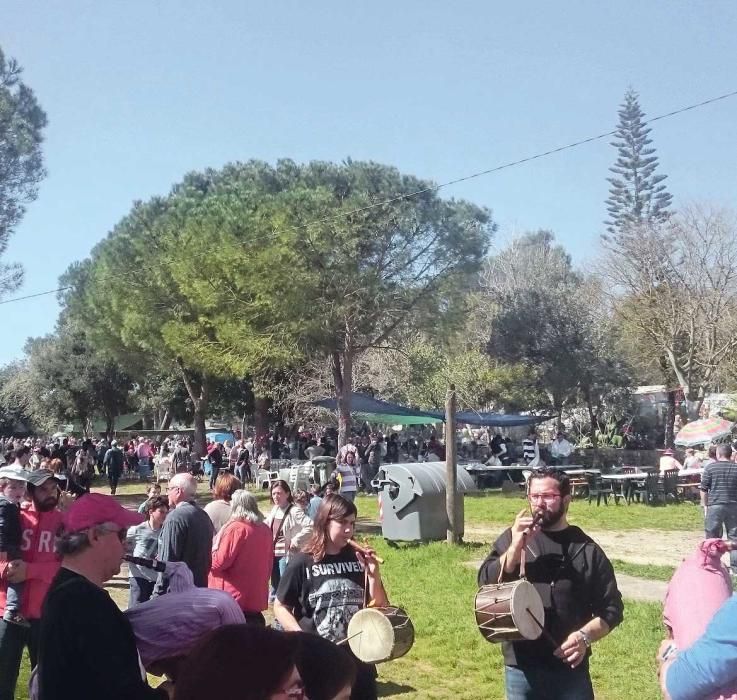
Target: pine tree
x,y
637,194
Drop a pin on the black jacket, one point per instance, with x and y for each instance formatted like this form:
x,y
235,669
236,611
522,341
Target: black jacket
x,y
10,529
87,649
575,581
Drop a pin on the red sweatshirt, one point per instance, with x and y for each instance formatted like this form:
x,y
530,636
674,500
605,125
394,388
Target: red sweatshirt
x,y
37,548
241,564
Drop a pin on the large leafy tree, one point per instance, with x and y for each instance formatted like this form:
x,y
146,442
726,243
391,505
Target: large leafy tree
x,y
551,319
678,296
63,379
248,270
21,163
367,269
637,193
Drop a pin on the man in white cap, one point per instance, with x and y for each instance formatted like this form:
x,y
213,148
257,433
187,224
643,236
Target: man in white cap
x,y
82,628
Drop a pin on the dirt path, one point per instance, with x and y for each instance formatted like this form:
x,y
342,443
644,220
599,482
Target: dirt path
x,y
662,547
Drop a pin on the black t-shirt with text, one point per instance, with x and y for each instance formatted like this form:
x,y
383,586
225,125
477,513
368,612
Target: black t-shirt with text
x,y
324,595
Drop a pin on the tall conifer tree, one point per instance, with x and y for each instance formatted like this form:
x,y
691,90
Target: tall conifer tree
x,y
637,194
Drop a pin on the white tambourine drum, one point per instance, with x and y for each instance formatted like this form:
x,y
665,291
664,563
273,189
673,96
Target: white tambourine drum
x,y
376,635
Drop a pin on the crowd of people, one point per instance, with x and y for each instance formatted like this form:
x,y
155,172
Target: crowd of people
x,y
56,563
57,552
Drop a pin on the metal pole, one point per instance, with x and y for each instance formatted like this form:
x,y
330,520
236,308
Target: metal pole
x,y
451,496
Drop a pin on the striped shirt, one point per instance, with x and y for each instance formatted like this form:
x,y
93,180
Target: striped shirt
x,y
719,480
348,481
528,450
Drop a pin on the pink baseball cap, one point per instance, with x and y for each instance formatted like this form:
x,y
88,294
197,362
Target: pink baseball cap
x,y
96,509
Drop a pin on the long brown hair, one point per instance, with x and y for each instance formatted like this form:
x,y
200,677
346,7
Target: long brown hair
x,y
333,507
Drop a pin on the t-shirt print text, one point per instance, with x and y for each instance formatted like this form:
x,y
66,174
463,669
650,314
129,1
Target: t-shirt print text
x,y
341,567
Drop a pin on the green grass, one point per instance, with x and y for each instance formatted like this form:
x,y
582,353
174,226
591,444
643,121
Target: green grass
x,y
450,659
494,508
654,572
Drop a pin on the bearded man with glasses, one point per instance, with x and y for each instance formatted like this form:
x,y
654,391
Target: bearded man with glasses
x,y
576,583
87,649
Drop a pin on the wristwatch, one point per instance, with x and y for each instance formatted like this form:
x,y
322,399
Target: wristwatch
x,y
586,638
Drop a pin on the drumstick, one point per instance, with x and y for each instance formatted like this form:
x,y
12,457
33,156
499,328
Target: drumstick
x,y
347,639
364,551
546,634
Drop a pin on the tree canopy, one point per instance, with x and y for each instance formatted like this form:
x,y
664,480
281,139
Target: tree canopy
x,y
245,270
22,122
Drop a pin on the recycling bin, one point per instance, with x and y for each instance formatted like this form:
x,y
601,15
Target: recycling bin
x,y
412,500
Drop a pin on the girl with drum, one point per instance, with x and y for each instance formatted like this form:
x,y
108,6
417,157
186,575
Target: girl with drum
x,y
326,584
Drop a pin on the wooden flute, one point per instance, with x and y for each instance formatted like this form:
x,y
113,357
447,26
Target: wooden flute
x,y
363,550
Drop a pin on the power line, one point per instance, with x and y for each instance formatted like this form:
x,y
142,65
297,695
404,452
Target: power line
x,y
513,163
32,296
465,178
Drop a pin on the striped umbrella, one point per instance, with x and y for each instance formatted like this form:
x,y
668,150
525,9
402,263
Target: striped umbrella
x,y
703,431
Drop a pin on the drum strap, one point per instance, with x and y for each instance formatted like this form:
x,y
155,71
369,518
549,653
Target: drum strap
x,y
503,562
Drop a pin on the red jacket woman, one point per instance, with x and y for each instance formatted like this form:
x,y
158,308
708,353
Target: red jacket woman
x,y
242,557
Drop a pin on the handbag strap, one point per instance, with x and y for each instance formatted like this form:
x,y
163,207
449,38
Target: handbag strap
x,y
281,524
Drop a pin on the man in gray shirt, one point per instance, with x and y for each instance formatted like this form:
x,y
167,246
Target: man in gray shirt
x,y
187,533
719,498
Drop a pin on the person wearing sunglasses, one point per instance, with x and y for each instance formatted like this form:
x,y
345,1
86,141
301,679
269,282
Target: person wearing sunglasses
x,y
576,583
87,649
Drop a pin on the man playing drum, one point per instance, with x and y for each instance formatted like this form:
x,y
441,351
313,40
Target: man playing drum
x,y
576,583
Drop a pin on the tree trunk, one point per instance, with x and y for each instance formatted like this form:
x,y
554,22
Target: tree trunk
x,y
200,397
244,425
343,378
592,420
670,417
261,418
166,420
109,428
198,449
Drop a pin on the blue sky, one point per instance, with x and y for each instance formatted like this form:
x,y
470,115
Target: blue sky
x,y
140,92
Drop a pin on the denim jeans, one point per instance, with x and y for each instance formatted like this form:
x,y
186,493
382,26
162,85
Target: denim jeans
x,y
548,683
214,471
13,639
723,515
12,603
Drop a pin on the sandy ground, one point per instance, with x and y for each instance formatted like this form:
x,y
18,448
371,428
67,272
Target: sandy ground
x,y
664,547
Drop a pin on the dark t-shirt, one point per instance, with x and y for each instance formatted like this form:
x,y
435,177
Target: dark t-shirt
x,y
87,649
324,595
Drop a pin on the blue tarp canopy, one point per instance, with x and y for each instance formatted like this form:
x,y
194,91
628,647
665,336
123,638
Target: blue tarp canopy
x,y
367,405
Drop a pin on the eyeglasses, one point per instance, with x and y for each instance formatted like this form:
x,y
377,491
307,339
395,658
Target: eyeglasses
x,y
547,497
122,533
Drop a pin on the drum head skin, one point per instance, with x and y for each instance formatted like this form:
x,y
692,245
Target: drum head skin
x,y
375,636
526,598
